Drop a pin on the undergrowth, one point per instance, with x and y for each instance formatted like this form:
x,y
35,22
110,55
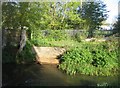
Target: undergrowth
x,y
10,55
91,59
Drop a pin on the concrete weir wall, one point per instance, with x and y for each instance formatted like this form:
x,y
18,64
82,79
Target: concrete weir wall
x,y
48,55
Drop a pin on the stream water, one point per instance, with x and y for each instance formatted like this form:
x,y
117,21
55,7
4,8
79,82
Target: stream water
x,y
48,75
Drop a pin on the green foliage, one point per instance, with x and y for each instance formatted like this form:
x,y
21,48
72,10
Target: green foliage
x,y
15,15
90,59
41,39
9,10
77,37
52,15
57,35
10,52
94,13
71,20
27,55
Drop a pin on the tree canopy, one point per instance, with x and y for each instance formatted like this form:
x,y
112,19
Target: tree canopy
x,y
94,13
53,15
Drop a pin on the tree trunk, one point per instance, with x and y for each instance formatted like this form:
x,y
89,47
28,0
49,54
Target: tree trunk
x,y
23,39
91,32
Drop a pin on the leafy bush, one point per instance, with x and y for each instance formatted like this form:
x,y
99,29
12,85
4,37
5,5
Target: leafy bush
x,y
10,52
90,59
50,36
77,37
57,35
26,55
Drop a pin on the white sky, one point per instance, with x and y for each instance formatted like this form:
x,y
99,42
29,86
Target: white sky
x,y
112,6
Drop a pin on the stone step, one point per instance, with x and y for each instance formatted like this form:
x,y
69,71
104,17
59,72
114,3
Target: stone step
x,y
48,55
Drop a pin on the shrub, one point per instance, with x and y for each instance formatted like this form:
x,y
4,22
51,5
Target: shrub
x,y
77,37
51,36
9,54
90,59
57,35
26,55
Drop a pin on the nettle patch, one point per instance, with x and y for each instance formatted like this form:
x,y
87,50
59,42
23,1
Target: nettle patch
x,y
91,59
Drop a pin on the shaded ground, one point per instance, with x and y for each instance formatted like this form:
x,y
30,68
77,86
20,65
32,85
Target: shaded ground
x,y
48,75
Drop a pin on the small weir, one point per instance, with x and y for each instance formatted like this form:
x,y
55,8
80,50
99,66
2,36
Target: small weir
x,y
48,55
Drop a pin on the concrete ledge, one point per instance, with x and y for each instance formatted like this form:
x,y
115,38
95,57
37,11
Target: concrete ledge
x,y
48,55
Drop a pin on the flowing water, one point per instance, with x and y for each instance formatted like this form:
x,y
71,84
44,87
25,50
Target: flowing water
x,y
49,75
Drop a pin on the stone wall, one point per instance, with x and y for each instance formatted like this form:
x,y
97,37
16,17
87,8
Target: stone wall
x,y
10,37
69,32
